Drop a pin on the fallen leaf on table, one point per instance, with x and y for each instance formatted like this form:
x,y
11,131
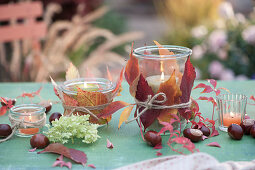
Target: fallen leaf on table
x,y
187,82
204,137
91,166
215,144
32,150
125,114
73,154
214,132
72,72
109,144
142,92
158,146
159,153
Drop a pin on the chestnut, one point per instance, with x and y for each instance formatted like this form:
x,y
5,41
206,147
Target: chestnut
x,y
246,125
252,131
39,141
47,105
194,135
235,131
55,115
5,130
205,130
152,138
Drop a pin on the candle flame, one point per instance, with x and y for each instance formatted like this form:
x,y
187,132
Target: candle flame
x,y
30,118
232,114
162,77
85,85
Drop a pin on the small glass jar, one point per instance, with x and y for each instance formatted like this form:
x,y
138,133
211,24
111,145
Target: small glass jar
x,y
95,87
30,113
157,64
231,109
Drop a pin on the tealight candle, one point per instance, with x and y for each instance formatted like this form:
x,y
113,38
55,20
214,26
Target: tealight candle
x,y
232,108
230,118
29,114
155,81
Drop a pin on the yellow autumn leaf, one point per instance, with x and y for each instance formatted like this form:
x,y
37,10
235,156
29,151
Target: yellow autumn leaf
x,y
72,72
125,114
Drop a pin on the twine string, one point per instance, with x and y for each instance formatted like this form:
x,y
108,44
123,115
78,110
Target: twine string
x,y
23,124
86,109
154,103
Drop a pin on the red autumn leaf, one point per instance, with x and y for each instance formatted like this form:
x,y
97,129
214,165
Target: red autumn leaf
x,y
91,166
142,92
204,137
200,85
173,93
213,82
73,154
32,94
187,82
158,146
60,162
3,110
207,89
217,92
203,98
159,153
112,108
252,98
215,144
214,132
69,101
132,68
32,150
185,143
209,99
119,81
109,144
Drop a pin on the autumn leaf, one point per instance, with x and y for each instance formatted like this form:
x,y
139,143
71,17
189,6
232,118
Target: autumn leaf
x,y
173,93
92,98
3,110
73,154
125,114
112,108
215,144
72,72
163,51
132,68
142,92
119,81
109,144
69,101
187,82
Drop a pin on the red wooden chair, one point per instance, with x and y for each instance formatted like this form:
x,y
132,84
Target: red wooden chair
x,y
27,31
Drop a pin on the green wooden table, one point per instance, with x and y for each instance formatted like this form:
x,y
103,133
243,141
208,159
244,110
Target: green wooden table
x,y
128,144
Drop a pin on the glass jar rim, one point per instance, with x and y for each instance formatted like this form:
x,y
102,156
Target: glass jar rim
x,y
110,84
222,97
39,109
139,52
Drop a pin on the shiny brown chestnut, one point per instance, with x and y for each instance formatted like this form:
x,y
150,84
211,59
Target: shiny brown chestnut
x,y
152,138
246,125
252,131
5,130
55,115
194,135
47,105
39,141
235,131
205,130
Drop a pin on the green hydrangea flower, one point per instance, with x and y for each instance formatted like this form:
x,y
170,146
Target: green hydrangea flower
x,y
67,128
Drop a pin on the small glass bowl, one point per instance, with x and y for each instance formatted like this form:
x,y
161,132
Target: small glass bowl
x,y
93,85
29,113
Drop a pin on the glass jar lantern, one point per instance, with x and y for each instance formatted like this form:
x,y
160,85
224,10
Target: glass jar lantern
x,y
93,85
30,114
157,64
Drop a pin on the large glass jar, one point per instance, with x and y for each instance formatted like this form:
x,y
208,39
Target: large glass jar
x,y
157,64
96,94
33,117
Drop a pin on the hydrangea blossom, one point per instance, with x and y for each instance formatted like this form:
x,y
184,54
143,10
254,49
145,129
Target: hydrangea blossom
x,y
217,40
67,128
215,69
249,34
